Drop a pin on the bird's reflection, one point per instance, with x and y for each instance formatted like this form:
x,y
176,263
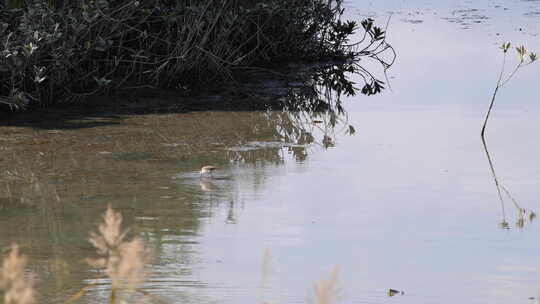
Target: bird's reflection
x,y
208,185
231,218
522,214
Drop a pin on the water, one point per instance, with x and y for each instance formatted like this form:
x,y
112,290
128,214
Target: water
x,y
407,203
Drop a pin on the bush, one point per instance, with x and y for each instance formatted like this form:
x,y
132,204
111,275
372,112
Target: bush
x,y
61,51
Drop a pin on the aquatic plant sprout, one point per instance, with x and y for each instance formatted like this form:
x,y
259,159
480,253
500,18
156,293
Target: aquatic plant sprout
x,y
522,55
524,58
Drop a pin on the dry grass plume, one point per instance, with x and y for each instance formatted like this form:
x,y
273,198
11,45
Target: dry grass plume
x,y
123,261
326,291
17,288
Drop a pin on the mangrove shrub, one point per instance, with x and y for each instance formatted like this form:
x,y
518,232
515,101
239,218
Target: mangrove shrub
x,y
64,51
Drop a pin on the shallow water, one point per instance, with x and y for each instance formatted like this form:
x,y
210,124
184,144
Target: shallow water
x,y
408,202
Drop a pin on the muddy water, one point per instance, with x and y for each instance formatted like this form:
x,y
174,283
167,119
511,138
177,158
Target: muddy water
x,y
407,203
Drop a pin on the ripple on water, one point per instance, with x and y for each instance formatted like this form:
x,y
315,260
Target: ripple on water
x,y
259,145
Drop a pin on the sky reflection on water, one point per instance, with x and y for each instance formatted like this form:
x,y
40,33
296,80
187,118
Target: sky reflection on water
x,y
406,203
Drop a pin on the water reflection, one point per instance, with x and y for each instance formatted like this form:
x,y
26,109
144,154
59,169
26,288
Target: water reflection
x,y
522,214
59,174
317,102
56,183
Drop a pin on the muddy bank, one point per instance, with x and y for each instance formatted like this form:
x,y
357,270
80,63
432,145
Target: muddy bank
x,y
308,88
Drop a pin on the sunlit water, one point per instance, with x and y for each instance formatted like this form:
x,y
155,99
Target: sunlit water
x,y
407,203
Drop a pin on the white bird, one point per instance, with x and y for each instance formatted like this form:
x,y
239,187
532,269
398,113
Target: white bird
x,y
209,170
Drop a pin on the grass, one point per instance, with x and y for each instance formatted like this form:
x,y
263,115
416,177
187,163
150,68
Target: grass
x,y
18,288
326,290
123,261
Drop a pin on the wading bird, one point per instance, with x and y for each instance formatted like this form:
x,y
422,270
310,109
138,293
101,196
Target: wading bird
x,y
208,170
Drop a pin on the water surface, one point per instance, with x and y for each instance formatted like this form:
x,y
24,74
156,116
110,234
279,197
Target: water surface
x,y
408,202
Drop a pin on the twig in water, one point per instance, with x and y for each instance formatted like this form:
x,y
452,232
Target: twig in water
x,y
522,52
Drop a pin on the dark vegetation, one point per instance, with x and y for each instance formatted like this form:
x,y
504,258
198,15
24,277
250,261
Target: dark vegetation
x,y
62,52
